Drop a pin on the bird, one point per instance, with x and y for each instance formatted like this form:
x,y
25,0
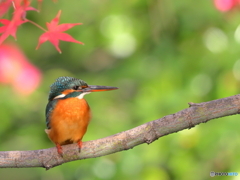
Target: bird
x,y
67,112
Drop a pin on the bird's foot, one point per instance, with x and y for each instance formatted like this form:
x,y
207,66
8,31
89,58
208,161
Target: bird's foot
x,y
79,145
59,149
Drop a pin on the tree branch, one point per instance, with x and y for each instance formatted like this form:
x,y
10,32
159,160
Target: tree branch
x,y
145,133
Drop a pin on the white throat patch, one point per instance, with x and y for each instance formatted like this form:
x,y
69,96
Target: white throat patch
x,y
79,97
82,94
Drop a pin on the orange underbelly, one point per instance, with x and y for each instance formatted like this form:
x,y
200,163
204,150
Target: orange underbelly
x,y
69,121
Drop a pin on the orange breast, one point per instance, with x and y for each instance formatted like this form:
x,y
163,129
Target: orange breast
x,y
69,121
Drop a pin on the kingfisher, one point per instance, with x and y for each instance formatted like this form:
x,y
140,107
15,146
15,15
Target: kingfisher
x,y
67,113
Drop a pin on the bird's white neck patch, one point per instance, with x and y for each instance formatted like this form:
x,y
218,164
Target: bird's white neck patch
x,y
82,94
79,97
60,96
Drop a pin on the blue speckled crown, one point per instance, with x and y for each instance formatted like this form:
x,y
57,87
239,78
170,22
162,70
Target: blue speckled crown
x,y
63,83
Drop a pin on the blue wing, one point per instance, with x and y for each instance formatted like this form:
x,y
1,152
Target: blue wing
x,y
50,106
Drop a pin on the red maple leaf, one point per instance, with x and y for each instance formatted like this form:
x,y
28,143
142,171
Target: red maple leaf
x,y
19,14
9,28
55,33
4,6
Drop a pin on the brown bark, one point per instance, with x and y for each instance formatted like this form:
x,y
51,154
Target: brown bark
x,y
145,133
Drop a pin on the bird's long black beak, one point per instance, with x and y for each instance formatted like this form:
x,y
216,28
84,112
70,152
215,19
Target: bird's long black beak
x,y
93,88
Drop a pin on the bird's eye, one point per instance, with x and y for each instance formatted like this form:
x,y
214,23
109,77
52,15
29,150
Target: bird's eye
x,y
76,87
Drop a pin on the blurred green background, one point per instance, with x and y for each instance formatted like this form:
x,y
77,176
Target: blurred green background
x,y
161,54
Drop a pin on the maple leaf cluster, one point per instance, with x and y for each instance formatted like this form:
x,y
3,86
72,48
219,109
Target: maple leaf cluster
x,y
53,34
226,5
17,71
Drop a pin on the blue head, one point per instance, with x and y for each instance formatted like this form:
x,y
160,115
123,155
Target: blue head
x,y
64,83
65,87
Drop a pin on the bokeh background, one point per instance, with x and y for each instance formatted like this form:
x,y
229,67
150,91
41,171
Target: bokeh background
x,y
161,54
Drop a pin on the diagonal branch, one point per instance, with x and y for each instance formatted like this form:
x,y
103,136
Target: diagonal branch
x,y
145,133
